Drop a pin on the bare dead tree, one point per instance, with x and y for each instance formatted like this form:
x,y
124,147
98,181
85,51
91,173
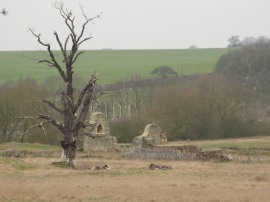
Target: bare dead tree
x,y
72,111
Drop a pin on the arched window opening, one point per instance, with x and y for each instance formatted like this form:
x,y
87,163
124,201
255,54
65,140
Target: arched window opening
x,y
99,129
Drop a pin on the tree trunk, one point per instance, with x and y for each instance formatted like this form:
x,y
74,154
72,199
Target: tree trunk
x,y
68,152
63,157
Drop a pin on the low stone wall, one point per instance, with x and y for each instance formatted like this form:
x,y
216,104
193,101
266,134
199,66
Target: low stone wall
x,y
153,153
175,153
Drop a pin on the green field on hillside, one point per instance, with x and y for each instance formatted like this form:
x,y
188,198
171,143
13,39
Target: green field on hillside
x,y
111,65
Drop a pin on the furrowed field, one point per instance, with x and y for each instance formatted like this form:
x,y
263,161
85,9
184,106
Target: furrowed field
x,y
111,65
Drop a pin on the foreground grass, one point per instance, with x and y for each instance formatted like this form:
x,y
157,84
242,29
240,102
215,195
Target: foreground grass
x,y
36,179
111,65
26,146
129,180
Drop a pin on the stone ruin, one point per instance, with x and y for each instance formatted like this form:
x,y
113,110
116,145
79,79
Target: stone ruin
x,y
151,137
150,145
97,135
98,139
167,152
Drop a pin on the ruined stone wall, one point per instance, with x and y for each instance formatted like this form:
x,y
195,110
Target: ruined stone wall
x,y
174,153
150,145
98,138
101,144
151,136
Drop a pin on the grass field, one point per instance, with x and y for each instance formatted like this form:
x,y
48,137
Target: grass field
x,y
111,65
36,179
241,143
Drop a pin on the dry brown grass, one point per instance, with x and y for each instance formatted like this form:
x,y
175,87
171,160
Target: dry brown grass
x,y
35,179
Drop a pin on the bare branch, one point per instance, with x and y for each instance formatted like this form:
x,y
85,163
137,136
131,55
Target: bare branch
x,y
47,120
40,125
79,123
83,113
88,38
85,23
53,62
52,120
38,38
61,46
98,95
49,63
66,44
52,105
25,117
103,93
69,21
77,41
76,57
90,84
66,15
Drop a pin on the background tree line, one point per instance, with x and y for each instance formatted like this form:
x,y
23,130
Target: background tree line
x,y
207,107
249,64
230,102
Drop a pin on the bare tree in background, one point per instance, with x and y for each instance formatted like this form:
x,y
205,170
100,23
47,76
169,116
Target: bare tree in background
x,y
73,112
